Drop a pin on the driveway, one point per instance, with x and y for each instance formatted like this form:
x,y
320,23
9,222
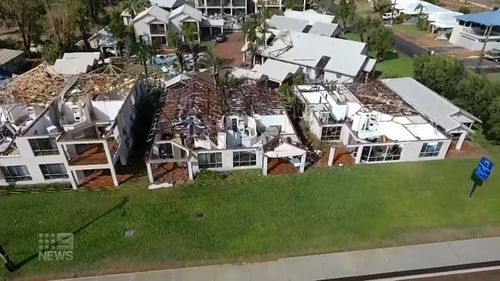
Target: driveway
x,y
407,47
231,49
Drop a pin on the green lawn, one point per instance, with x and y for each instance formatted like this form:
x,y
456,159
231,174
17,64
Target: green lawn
x,y
251,217
394,65
408,30
495,77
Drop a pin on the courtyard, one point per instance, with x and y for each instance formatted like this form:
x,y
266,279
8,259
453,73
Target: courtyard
x,y
249,217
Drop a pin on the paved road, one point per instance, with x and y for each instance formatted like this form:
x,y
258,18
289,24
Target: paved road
x,y
489,275
409,48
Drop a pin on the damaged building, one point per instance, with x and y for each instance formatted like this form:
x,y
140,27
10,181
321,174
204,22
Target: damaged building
x,y
200,127
76,129
384,121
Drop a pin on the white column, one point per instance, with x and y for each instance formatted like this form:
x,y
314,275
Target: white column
x,y
331,156
110,163
62,151
150,173
302,163
264,165
461,141
72,179
190,169
358,155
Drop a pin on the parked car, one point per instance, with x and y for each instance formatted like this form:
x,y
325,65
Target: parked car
x,y
219,38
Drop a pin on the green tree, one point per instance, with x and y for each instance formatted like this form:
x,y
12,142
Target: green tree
x,y
323,5
381,40
123,34
213,63
422,17
174,42
293,4
365,25
190,34
464,10
249,29
144,52
135,6
26,15
62,23
82,18
381,6
492,124
440,73
346,12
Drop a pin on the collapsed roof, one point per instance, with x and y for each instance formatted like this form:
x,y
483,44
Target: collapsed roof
x,y
39,86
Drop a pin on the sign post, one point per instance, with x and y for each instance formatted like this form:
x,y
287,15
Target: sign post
x,y
482,173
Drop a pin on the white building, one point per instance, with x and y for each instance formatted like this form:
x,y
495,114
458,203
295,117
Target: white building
x,y
306,22
81,135
471,31
77,63
220,7
275,5
151,25
384,121
193,132
275,72
322,58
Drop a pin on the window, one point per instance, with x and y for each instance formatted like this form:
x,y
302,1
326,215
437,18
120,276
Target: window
x,y
165,151
244,158
16,173
430,149
234,124
378,153
331,133
45,146
210,160
53,171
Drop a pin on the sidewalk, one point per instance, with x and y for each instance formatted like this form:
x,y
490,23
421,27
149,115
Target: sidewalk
x,y
331,266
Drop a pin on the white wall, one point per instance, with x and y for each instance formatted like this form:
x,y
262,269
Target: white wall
x,y
106,110
32,162
227,160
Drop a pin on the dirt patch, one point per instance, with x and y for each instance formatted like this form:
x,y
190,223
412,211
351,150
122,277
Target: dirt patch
x,y
231,49
455,5
469,150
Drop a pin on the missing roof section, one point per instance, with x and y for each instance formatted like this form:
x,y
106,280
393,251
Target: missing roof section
x,y
251,98
307,28
323,61
375,95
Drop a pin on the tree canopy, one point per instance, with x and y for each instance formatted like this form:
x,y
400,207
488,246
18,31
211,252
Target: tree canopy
x,y
381,40
346,12
381,6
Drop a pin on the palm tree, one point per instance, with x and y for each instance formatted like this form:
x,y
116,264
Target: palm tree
x,y
143,52
213,63
189,32
249,29
174,42
422,17
135,6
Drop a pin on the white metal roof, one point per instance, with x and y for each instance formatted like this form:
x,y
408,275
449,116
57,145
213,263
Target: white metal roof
x,y
277,71
309,15
187,10
167,3
246,73
7,55
323,28
370,64
346,57
155,12
430,104
76,63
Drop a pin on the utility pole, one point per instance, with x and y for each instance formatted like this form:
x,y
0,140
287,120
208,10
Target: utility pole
x,y
488,32
9,264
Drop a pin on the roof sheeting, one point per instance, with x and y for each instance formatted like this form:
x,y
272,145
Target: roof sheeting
x,y
7,55
430,104
309,15
187,10
277,71
167,3
347,57
300,25
325,29
76,63
155,12
485,18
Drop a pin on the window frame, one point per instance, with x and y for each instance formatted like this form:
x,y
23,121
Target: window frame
x,y
251,161
7,173
214,160
49,175
424,153
337,132
35,143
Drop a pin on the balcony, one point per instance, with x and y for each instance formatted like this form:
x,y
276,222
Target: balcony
x,y
157,29
93,155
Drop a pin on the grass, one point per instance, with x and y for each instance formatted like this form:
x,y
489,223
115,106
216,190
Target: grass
x,y
409,31
394,65
251,217
495,77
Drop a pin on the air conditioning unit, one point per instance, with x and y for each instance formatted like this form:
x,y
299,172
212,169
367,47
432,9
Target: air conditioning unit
x,y
52,130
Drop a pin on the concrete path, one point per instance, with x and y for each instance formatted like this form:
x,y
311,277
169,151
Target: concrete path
x,y
331,266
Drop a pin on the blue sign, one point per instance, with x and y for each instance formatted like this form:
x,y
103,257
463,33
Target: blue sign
x,y
483,170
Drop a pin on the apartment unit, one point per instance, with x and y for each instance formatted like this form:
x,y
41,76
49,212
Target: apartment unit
x,y
200,127
276,5
392,120
82,133
152,25
475,31
220,7
310,26
333,59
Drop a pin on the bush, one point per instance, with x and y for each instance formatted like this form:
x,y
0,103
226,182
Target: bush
x,y
464,10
